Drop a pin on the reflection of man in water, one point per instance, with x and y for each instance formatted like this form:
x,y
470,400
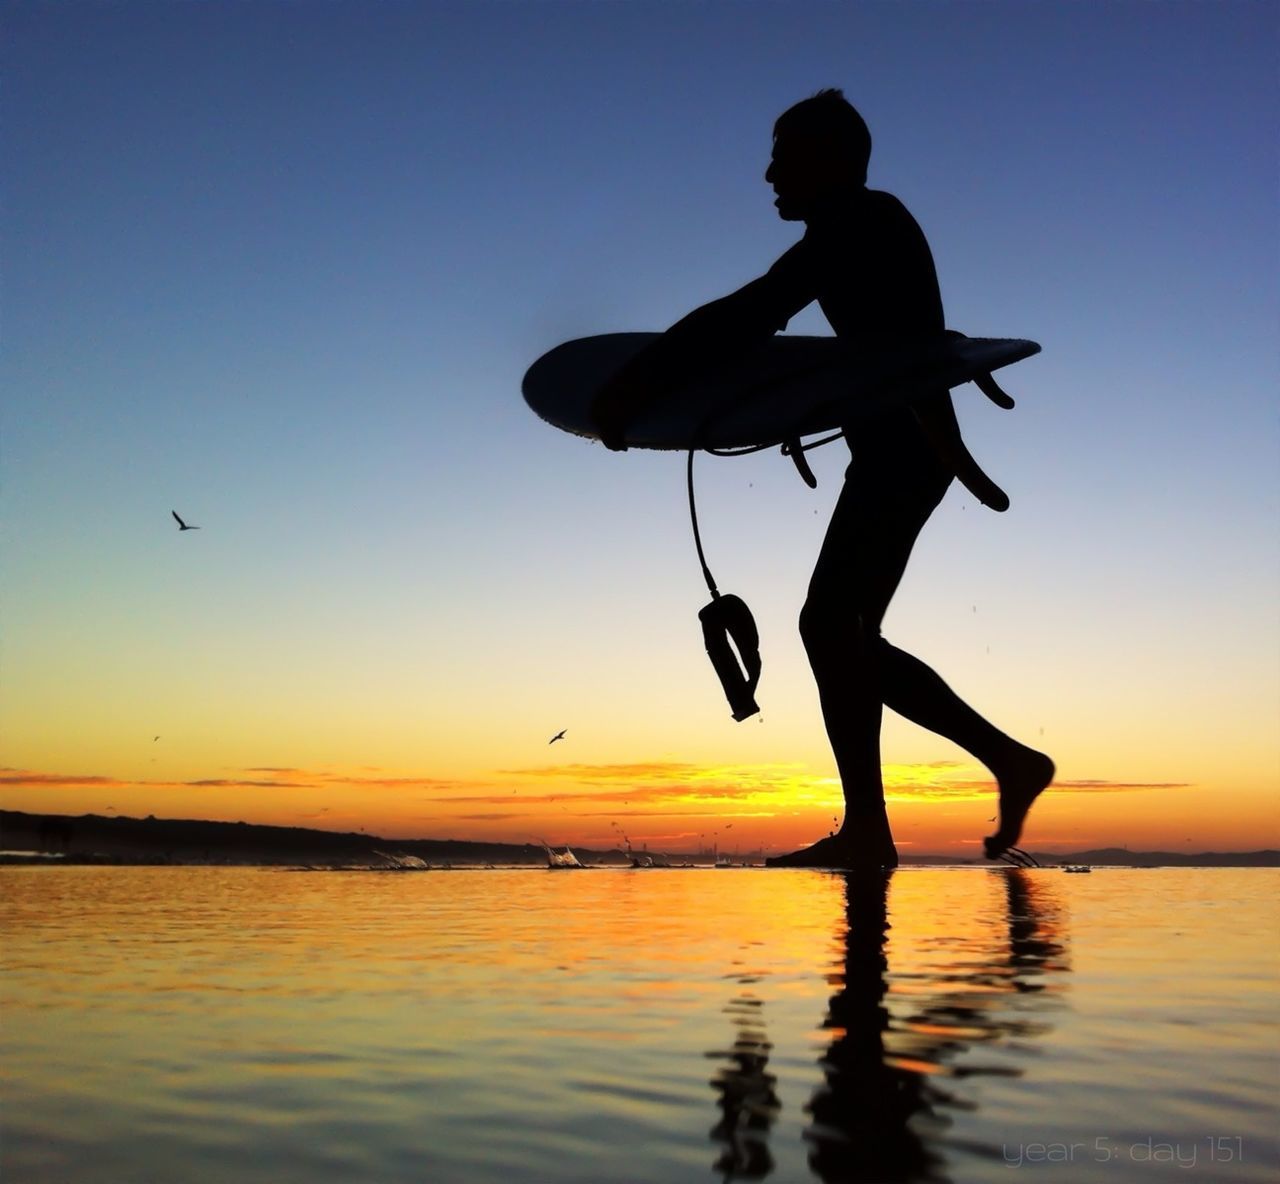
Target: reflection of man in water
x,y
885,1097
747,1098
895,1067
865,261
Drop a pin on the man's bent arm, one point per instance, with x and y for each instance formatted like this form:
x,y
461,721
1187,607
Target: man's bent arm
x,y
704,337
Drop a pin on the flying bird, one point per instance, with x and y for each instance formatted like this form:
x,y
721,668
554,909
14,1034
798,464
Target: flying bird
x,y
181,525
558,736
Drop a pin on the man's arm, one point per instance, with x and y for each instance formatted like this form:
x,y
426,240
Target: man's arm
x,y
708,335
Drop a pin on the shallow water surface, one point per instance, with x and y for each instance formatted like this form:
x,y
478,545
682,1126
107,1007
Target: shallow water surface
x,y
212,1025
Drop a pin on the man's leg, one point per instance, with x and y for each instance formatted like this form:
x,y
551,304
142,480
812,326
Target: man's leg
x,y
876,522
916,692
873,529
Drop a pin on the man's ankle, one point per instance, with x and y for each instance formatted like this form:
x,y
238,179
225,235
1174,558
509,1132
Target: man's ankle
x,y
864,809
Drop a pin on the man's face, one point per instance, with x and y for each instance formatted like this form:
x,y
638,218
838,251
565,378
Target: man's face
x,y
801,170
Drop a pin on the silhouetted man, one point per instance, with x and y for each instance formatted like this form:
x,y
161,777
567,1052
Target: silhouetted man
x,y
865,261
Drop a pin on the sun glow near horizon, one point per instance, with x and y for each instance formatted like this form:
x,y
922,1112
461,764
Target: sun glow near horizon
x,y
938,806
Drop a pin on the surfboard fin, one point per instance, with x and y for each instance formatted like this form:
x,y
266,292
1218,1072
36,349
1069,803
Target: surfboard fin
x,y
988,386
984,382
727,619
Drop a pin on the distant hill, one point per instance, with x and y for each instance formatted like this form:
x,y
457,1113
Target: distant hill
x,y
168,840
95,838
1123,857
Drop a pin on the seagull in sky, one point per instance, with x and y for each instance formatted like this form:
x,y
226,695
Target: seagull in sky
x,y
181,525
558,736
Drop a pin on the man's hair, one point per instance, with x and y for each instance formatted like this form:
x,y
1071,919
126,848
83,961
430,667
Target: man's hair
x,y
828,115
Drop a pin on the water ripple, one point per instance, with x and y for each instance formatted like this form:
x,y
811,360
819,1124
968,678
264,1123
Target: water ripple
x,y
202,1025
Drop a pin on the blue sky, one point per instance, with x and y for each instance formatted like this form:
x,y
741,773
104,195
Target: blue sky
x,y
281,266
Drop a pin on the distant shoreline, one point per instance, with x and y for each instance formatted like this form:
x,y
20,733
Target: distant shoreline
x,y
62,839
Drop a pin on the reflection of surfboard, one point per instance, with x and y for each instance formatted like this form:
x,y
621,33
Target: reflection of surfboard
x,y
784,388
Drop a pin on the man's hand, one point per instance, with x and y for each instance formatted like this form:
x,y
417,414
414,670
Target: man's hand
x,y
616,405
610,426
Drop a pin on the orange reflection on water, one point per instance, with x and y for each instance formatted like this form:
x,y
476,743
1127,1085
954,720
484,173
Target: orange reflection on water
x,y
483,1025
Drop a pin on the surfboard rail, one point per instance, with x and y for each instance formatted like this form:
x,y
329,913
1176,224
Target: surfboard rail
x,y
788,387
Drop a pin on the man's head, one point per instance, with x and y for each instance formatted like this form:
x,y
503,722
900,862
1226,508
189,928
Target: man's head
x,y
820,146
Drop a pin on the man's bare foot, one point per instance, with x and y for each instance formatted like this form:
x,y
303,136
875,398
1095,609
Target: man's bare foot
x,y
851,849
1021,780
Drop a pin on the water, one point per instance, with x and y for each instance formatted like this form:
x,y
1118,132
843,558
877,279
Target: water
x,y
184,1025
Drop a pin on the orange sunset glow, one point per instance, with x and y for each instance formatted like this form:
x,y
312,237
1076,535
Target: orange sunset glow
x,y
939,807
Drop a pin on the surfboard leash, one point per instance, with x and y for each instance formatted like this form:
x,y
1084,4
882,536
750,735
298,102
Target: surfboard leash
x,y
697,535
727,618
795,449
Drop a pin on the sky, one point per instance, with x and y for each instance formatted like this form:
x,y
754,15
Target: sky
x,y
280,267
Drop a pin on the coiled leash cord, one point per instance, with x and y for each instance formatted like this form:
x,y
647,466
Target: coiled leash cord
x,y
726,618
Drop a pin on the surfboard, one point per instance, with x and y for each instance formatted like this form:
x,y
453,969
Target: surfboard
x,y
783,389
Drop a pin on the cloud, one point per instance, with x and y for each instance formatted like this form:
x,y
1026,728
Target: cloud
x,y
279,777
26,777
918,786
668,782
643,789
709,813
659,789
1115,786
635,794
29,778
328,777
591,774
671,776
674,773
